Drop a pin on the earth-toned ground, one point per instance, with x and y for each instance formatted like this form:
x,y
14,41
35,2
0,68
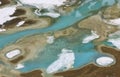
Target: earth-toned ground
x,y
32,45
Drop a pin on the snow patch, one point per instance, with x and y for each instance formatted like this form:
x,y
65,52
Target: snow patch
x,y
19,66
91,37
50,5
50,39
104,61
114,38
2,30
5,14
13,53
115,42
51,14
0,2
65,60
113,21
43,3
20,23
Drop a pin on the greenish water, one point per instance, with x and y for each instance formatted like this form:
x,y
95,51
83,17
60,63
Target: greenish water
x,y
63,22
84,53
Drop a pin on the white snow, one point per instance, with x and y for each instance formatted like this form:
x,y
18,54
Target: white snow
x,y
20,23
43,3
50,5
114,38
91,37
115,42
2,30
115,34
5,14
13,53
104,61
51,14
0,2
65,60
50,39
113,21
19,66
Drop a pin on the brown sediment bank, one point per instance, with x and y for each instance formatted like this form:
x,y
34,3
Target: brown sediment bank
x,y
92,70
15,61
30,22
13,23
4,2
19,12
35,73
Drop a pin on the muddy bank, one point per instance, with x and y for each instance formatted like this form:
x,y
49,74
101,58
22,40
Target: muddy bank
x,y
35,73
4,2
15,61
19,12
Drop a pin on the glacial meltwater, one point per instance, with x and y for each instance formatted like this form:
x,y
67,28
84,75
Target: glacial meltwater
x,y
84,53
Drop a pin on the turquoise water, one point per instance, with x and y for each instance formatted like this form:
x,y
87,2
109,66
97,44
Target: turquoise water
x,y
63,22
84,53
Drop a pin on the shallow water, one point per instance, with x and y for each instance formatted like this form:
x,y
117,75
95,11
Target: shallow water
x,y
84,53
63,22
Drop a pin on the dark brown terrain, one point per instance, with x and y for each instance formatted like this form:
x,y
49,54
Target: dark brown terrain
x,y
35,73
4,2
15,61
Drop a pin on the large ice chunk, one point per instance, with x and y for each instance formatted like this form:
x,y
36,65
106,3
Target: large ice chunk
x,y
65,60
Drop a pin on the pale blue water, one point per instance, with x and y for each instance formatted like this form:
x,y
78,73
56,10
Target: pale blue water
x,y
63,22
84,53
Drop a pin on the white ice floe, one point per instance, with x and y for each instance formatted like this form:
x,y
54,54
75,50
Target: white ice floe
x,y
65,60
0,2
5,14
51,14
104,61
50,5
113,21
91,37
115,42
13,53
115,34
20,23
43,3
2,30
50,39
19,66
114,38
